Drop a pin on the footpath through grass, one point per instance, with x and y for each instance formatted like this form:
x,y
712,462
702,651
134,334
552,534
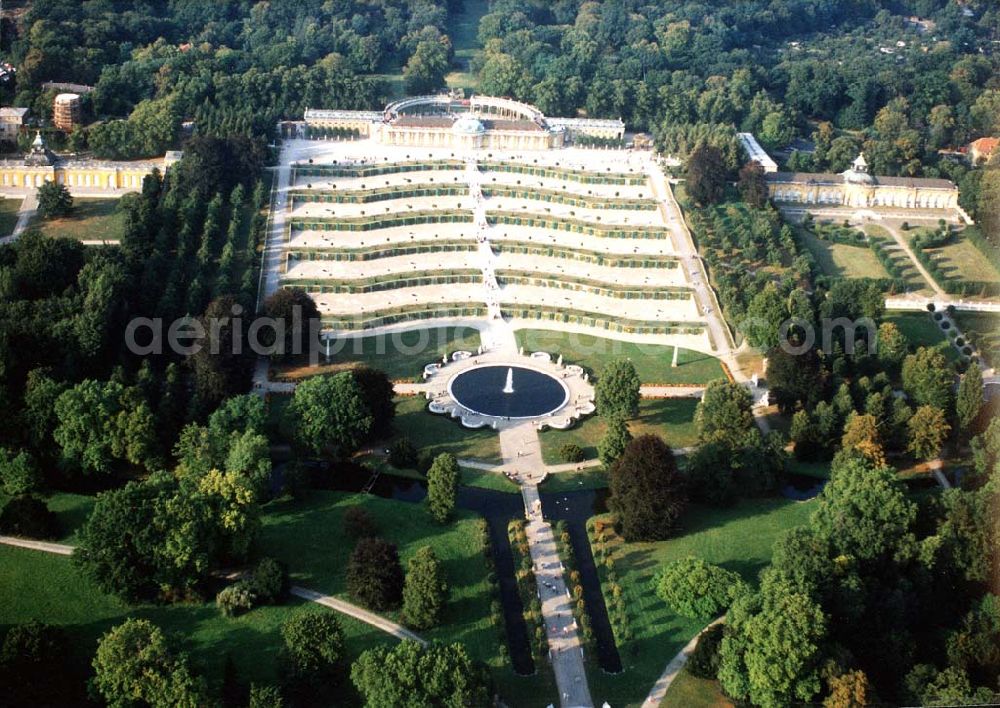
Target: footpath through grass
x,y
652,361
670,418
47,588
308,535
401,355
739,539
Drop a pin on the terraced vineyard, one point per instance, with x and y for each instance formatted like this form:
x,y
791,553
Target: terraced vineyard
x,y
393,239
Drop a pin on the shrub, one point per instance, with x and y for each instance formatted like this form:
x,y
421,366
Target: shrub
x,y
265,696
905,226
29,517
967,351
358,523
18,473
571,452
270,581
704,660
295,479
424,461
235,599
945,325
403,454
696,589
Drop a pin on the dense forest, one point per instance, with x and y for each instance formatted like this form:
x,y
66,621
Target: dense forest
x,y
879,593
231,67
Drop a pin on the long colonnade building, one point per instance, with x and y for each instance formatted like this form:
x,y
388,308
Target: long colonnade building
x,y
80,175
858,188
482,122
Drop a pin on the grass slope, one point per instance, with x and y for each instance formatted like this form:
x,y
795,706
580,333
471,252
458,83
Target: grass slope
x,y
308,535
441,434
843,261
739,539
48,588
401,355
652,362
91,220
670,418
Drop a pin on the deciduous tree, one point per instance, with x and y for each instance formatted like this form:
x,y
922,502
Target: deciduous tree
x,y
442,487
425,590
408,674
374,575
647,492
135,663
329,412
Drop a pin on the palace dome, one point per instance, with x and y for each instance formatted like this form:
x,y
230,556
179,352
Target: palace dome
x,y
468,126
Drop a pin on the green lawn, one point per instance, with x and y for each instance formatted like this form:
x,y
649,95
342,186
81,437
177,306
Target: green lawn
x,y
48,588
401,355
962,261
589,478
484,479
72,511
670,418
463,29
652,362
441,434
8,216
922,331
843,261
91,220
740,539
689,692
308,535
984,327
488,480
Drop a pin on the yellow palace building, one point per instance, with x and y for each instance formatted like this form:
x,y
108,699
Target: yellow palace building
x,y
81,176
857,187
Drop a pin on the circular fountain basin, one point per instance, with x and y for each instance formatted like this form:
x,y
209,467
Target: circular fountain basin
x,y
535,394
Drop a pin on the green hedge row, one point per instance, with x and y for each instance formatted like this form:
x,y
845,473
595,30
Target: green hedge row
x,y
899,282
612,260
370,253
557,197
374,223
978,288
394,315
581,176
597,287
386,282
389,168
381,194
511,218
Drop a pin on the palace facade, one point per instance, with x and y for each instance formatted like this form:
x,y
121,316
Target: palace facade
x,y
482,122
857,187
79,175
